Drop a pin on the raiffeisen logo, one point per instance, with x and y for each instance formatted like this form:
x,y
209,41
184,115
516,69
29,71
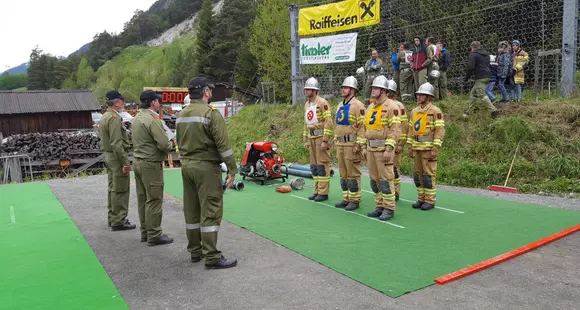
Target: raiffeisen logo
x,y
329,22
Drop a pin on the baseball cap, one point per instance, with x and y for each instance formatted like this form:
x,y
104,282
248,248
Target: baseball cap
x,y
200,83
149,95
114,94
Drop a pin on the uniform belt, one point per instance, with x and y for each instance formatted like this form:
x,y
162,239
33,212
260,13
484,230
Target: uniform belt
x,y
376,143
349,138
424,138
316,132
406,69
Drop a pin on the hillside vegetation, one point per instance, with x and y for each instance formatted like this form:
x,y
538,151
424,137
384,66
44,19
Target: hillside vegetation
x,y
477,152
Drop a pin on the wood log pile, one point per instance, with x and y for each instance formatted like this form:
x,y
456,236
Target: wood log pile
x,y
52,145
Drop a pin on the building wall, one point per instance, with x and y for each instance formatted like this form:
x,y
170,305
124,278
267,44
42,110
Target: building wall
x,y
11,124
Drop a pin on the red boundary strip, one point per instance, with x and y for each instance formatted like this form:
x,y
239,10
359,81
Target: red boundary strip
x,y
504,257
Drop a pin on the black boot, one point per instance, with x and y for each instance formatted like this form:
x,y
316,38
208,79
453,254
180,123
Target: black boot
x,y
341,204
494,114
143,236
417,204
126,226
427,206
163,239
376,212
312,196
197,259
222,263
396,197
321,198
387,215
351,206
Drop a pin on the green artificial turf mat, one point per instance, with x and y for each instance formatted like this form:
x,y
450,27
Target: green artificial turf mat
x,y
388,258
45,261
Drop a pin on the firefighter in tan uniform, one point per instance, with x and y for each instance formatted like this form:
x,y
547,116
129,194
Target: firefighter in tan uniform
x,y
347,139
392,88
426,132
316,136
382,131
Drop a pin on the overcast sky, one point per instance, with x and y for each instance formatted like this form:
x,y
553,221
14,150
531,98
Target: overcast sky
x,y
59,27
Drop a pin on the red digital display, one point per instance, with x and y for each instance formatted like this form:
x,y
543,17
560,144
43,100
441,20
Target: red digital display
x,y
172,97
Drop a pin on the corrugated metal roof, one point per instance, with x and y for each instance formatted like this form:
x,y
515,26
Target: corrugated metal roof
x,y
41,101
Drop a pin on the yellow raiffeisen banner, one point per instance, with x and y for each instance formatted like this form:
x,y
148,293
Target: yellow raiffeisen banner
x,y
339,16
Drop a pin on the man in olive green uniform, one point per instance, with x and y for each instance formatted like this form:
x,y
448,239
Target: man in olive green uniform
x,y
202,137
151,146
373,68
115,145
407,87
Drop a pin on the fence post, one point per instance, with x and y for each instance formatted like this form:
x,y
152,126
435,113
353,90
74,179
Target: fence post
x,y
569,44
295,51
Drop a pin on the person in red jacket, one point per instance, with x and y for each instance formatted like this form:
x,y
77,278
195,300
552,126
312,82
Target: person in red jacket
x,y
419,63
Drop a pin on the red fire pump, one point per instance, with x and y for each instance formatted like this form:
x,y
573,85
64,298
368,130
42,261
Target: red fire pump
x,y
262,162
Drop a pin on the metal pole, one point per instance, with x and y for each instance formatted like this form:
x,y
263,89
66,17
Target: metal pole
x,y
569,43
295,51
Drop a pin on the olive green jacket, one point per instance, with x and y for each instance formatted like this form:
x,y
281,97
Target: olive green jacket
x,y
150,141
114,136
202,134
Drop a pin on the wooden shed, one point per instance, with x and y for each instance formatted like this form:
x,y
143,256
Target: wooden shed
x,y
46,110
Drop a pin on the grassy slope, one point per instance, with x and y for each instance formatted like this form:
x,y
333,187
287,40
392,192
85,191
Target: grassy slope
x,y
476,153
140,66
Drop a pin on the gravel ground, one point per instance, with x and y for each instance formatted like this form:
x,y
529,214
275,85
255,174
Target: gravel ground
x,y
270,276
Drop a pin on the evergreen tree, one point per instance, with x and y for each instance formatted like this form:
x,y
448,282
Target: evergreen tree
x,y
35,74
204,33
231,34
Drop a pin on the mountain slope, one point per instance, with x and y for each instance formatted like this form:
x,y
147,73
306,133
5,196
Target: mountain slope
x,y
181,29
23,68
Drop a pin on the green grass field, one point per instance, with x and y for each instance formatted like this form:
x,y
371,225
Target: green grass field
x,y
395,257
45,261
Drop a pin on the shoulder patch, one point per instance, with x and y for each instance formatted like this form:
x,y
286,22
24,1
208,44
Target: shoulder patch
x,y
362,111
439,115
396,112
326,107
155,116
212,107
403,111
114,115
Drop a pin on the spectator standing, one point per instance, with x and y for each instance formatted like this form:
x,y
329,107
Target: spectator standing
x,y
444,63
492,79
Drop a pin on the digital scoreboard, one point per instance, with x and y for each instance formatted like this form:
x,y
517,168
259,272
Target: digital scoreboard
x,y
170,95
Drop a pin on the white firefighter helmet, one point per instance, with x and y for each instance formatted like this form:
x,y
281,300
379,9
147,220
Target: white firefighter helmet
x,y
186,101
426,89
360,70
350,81
392,85
311,83
435,73
380,82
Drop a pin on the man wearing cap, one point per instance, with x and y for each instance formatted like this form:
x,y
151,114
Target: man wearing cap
x,y
115,145
348,139
316,137
202,136
382,131
425,137
151,146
